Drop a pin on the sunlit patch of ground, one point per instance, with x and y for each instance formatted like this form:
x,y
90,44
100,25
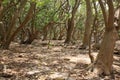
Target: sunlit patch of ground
x,y
79,58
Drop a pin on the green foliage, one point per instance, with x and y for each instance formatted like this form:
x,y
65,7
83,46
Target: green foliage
x,y
5,2
72,2
50,10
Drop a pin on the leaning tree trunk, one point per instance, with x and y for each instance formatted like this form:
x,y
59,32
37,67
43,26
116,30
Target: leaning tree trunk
x,y
6,44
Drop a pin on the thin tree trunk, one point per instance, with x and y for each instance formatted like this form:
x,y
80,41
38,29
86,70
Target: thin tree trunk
x,y
28,17
46,29
14,18
1,7
88,24
71,22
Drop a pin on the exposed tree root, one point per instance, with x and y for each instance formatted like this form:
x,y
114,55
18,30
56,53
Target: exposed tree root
x,y
97,71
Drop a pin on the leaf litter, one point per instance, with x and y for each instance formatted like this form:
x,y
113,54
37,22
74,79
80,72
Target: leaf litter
x,y
43,61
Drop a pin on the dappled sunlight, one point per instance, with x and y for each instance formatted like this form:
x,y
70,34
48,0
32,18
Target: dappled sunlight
x,y
58,75
58,62
79,58
57,49
59,39
20,59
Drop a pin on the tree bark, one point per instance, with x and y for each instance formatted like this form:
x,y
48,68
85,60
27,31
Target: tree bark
x,y
104,60
1,7
28,17
71,22
88,24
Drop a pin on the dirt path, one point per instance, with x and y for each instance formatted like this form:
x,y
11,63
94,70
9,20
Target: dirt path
x,y
40,61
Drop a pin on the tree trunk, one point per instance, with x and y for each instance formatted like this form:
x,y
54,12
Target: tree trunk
x,y
61,33
28,17
69,30
104,60
46,29
1,7
71,22
88,24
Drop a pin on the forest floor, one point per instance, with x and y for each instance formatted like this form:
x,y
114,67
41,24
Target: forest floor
x,y
56,61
